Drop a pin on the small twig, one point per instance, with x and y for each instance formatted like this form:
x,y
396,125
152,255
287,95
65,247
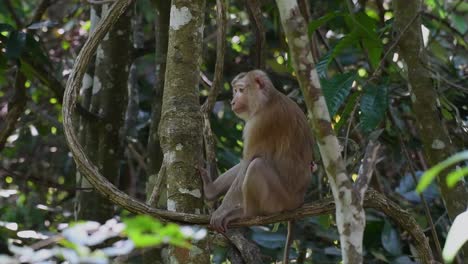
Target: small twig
x,y
46,242
367,167
390,48
100,2
255,15
351,117
138,157
220,51
40,10
157,186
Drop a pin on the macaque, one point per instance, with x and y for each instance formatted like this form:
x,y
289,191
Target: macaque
x,y
275,171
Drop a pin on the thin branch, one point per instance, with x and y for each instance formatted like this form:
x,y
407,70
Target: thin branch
x,y
255,16
221,21
378,69
367,167
100,2
40,10
208,136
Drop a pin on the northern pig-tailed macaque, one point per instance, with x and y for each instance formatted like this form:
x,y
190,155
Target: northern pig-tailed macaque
x,y
275,171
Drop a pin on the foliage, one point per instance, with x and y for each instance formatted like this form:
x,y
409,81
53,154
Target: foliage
x,y
364,82
452,178
91,242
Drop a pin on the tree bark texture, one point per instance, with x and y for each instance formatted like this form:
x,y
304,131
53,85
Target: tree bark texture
x,y
350,215
180,127
434,135
435,138
155,156
109,101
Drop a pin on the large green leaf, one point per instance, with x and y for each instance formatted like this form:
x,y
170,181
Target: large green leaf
x,y
371,42
374,103
322,20
336,90
347,41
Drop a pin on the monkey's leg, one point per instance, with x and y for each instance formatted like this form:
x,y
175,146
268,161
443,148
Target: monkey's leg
x,y
263,192
213,190
231,207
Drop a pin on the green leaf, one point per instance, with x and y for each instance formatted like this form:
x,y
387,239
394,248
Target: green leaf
x,y
347,41
374,103
459,22
430,174
146,231
455,176
374,50
322,20
370,39
15,44
322,65
336,90
352,101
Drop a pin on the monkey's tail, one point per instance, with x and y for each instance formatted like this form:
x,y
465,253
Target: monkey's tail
x,y
287,244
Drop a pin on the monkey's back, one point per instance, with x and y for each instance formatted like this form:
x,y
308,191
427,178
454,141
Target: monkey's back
x,y
281,135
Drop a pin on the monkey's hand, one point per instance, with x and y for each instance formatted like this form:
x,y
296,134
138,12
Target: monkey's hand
x,y
218,221
205,176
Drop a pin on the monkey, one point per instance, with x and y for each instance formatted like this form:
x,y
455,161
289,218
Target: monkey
x,y
275,170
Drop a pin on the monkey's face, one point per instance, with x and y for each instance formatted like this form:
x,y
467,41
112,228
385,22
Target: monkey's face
x,y
240,102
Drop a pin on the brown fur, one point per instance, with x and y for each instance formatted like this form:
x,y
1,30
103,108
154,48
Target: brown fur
x,y
275,169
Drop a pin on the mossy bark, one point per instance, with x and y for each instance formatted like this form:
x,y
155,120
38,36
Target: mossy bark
x,y
180,127
109,101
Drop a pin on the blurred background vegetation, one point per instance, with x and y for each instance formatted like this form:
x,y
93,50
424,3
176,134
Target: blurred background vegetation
x,y
364,80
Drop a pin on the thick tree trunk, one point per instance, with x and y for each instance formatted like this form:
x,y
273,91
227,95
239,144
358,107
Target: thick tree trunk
x,y
109,101
180,127
433,133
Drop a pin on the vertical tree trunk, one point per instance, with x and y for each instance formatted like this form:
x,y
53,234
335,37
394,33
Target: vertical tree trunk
x,y
434,135
109,101
181,121
155,156
350,215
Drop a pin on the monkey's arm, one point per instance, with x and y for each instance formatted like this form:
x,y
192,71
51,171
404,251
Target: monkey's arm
x,y
220,186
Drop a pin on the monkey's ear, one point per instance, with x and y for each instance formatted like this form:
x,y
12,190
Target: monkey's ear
x,y
260,82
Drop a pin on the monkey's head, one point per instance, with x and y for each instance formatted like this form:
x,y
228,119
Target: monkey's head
x,y
250,93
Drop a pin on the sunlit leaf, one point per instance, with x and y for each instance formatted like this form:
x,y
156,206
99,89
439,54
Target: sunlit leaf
x,y
456,176
430,174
